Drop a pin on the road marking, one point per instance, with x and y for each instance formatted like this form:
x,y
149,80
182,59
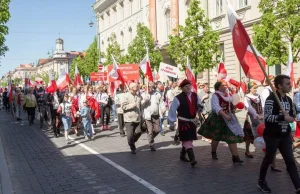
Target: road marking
x,y
120,168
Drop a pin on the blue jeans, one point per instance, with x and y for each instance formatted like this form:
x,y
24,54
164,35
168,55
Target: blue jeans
x,y
87,127
161,120
113,107
67,121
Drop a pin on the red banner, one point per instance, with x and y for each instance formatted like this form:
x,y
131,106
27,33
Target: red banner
x,y
98,76
129,71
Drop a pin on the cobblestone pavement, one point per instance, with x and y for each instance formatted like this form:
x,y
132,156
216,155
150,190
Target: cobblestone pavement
x,y
38,162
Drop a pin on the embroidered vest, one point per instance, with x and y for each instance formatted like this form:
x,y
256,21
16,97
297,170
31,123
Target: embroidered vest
x,y
183,109
226,106
257,106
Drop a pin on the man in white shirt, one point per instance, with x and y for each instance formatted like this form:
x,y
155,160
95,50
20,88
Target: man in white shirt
x,y
150,107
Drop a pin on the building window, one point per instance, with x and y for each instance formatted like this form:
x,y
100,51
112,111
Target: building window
x,y
168,22
114,17
108,19
219,7
122,40
243,3
130,35
187,7
130,7
121,10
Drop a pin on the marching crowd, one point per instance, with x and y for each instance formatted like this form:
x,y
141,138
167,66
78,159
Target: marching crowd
x,y
142,109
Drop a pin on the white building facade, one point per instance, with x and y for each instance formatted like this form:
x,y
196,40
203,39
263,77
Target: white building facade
x,y
161,16
59,61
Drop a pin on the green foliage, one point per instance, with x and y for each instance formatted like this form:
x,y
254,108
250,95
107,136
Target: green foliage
x,y
4,84
44,76
4,17
114,49
137,50
87,64
196,40
280,24
17,81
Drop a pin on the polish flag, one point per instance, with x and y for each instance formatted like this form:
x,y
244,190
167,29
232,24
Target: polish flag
x,y
38,82
222,73
241,43
10,91
155,75
63,81
146,68
113,87
115,73
290,67
52,87
190,76
29,83
77,77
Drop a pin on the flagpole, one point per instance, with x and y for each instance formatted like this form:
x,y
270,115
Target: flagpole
x,y
267,78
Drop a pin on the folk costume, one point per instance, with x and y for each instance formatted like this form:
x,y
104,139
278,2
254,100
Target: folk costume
x,y
218,128
254,108
185,107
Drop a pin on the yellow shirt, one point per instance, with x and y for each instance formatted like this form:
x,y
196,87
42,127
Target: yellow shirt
x,y
30,100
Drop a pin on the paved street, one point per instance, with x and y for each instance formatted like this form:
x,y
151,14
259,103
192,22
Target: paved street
x,y
37,162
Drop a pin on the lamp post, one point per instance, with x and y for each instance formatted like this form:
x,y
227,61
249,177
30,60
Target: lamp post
x,y
91,24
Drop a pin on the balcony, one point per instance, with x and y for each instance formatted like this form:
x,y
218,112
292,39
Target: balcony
x,y
102,5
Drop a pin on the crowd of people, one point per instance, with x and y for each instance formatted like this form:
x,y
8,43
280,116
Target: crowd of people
x,y
142,109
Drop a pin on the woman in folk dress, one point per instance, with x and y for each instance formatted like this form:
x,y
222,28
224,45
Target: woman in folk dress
x,y
254,107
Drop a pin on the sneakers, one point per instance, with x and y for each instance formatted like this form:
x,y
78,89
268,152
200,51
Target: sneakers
x,y
152,148
115,120
263,186
68,141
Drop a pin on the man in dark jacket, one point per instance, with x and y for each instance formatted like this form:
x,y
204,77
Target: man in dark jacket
x,y
277,133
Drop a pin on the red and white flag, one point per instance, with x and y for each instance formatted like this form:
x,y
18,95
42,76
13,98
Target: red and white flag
x,y
115,73
38,82
77,77
52,87
290,67
241,43
155,75
222,73
190,76
146,68
63,81
29,83
10,91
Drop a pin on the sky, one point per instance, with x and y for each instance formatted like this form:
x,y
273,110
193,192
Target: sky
x,y
35,25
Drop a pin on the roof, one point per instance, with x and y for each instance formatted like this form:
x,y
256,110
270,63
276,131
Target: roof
x,y
43,61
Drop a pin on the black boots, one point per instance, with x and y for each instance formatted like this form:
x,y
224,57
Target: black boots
x,y
182,155
237,160
191,156
214,156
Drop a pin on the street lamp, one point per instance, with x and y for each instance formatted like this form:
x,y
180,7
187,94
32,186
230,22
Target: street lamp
x,y
91,24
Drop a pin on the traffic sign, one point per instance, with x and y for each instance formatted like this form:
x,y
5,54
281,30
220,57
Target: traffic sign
x,y
100,67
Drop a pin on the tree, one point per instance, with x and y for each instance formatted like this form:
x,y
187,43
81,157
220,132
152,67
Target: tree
x,y
280,23
195,40
137,48
87,64
44,76
17,81
4,17
114,49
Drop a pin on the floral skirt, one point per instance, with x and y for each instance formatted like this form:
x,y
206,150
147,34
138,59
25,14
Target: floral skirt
x,y
216,129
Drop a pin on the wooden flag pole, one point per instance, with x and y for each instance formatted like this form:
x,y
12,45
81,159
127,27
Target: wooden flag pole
x,y
267,78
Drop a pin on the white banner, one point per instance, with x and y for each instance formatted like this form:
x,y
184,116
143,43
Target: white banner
x,y
169,70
